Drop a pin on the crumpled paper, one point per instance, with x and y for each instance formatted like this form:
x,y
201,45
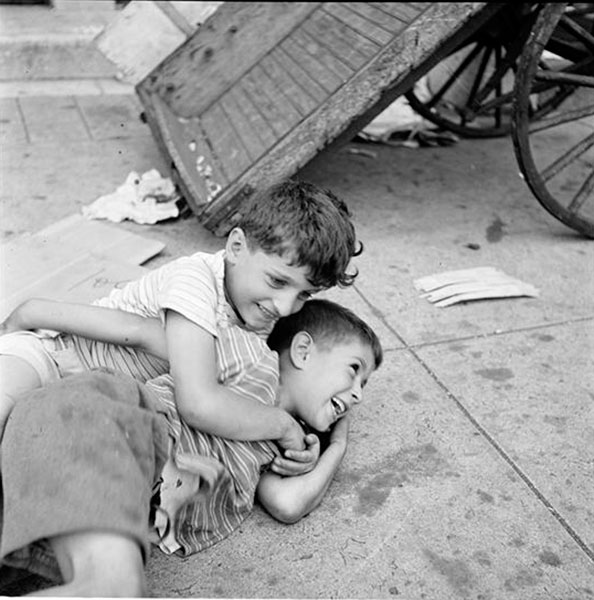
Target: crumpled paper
x,y
145,199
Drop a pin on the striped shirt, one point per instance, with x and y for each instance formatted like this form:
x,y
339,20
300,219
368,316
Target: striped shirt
x,y
209,483
192,286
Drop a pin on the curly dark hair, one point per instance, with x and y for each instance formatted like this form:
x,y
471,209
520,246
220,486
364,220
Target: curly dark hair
x,y
308,223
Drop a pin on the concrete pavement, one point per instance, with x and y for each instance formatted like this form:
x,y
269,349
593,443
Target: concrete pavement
x,y
470,469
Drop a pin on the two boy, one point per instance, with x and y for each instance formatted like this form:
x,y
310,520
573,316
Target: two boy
x,y
111,437
273,261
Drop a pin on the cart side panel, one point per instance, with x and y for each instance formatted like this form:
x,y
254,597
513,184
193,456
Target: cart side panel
x,y
280,98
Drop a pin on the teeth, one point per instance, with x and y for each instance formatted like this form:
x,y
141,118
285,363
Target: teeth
x,y
339,407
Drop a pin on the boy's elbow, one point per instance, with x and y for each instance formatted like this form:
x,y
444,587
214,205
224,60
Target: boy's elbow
x,y
287,509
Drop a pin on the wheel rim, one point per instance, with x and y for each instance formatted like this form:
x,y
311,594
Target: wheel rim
x,y
558,169
471,91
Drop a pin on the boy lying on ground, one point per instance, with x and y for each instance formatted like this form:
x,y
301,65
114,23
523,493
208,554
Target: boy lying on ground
x,y
84,458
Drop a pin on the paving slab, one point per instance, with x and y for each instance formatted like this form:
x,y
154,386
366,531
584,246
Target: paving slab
x,y
40,42
532,393
423,507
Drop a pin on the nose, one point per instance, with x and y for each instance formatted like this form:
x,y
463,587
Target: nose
x,y
286,302
357,391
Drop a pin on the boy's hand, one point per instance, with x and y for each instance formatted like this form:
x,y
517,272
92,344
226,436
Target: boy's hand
x,y
298,462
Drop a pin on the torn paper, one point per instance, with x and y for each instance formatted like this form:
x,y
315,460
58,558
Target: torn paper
x,y
144,199
450,287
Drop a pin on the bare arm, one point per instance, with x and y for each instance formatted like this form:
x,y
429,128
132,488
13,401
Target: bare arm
x,y
207,405
93,322
288,499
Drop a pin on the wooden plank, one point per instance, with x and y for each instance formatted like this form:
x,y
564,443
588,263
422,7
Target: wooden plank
x,y
295,47
344,42
270,108
299,74
244,128
297,96
193,167
284,110
382,18
342,11
405,11
229,150
252,113
323,54
215,52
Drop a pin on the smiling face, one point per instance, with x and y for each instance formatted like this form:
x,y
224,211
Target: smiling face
x,y
320,385
263,287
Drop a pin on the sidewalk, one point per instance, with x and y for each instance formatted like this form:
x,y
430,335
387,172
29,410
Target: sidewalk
x,y
469,473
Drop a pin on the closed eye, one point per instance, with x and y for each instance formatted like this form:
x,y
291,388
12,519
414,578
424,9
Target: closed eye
x,y
276,282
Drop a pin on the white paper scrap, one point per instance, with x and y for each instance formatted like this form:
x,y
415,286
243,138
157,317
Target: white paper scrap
x,y
480,283
145,199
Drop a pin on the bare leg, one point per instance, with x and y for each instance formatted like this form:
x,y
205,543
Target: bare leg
x,y
98,564
16,377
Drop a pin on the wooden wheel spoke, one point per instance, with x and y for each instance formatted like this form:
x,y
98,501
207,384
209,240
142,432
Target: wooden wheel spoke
x,y
578,31
560,119
563,77
455,75
563,161
479,76
582,195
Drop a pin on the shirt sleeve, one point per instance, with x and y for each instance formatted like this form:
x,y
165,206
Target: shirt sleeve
x,y
189,288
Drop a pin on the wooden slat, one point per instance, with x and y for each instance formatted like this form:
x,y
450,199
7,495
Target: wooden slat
x,y
324,53
365,27
245,130
268,101
262,128
232,156
184,141
405,11
299,74
296,95
255,27
385,20
351,47
308,52
277,96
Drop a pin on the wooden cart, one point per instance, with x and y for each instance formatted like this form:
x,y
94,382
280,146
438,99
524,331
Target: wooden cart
x,y
258,89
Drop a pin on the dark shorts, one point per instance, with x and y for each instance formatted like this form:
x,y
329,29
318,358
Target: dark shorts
x,y
80,454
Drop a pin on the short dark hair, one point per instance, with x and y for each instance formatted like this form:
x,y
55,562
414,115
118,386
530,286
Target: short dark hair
x,y
328,323
309,222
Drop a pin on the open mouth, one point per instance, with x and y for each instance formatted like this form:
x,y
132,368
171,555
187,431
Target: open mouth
x,y
339,407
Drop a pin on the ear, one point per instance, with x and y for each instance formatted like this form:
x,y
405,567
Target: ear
x,y
300,350
235,245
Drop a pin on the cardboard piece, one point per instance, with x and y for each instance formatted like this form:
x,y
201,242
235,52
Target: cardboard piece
x,y
480,283
74,259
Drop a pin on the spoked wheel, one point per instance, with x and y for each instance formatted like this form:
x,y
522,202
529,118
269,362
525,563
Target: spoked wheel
x,y
471,91
556,154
